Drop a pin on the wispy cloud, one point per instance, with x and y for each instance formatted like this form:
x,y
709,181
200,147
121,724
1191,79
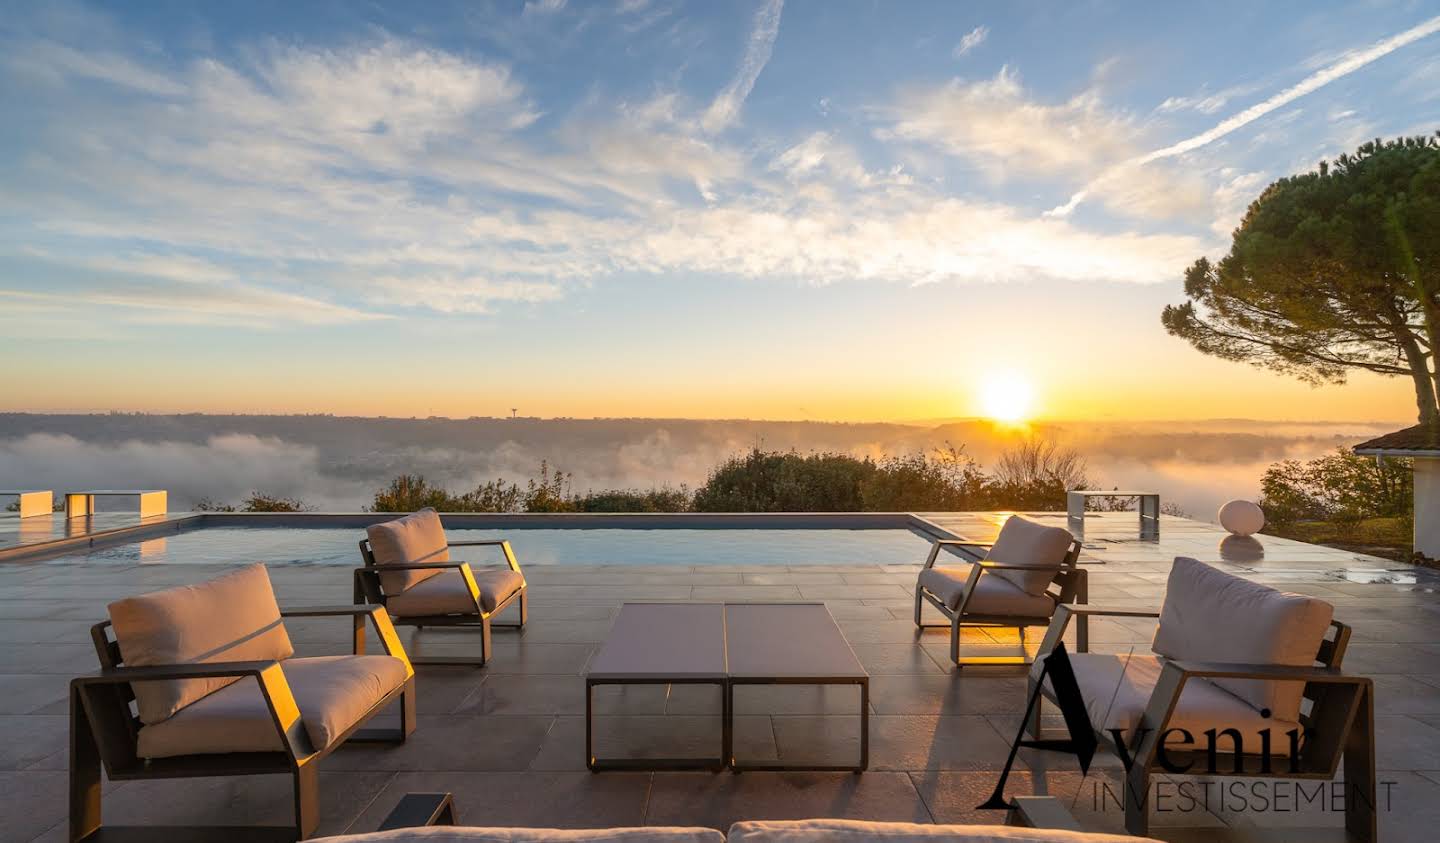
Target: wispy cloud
x,y
1347,64
971,40
724,110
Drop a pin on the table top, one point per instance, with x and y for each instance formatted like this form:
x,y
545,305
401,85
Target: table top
x,y
663,641
787,640
117,492
1119,493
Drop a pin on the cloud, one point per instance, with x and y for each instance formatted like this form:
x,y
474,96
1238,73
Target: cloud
x,y
998,126
1347,64
971,40
725,108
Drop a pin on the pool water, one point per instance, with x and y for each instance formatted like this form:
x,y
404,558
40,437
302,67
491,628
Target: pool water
x,y
316,546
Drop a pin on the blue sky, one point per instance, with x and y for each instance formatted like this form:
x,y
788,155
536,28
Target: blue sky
x,y
800,210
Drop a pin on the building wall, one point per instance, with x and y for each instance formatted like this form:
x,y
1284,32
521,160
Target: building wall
x,y
1427,506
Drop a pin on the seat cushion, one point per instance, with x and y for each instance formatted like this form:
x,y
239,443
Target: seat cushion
x,y
1117,688
804,831
471,834
993,594
332,692
448,594
1212,616
1033,545
416,538
232,618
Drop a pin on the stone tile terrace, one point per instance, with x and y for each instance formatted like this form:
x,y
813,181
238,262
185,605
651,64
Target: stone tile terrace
x,y
508,739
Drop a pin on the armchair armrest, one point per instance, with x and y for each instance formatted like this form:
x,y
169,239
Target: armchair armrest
x,y
1225,670
1098,611
936,544
478,543
379,618
416,566
420,810
1060,621
284,712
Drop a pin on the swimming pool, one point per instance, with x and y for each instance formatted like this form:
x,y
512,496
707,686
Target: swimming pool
x,y
329,546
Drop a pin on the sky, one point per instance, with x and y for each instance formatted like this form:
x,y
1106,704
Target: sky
x,y
803,210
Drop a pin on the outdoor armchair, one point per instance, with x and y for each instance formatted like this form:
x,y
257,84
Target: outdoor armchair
x,y
1252,677
1024,574
202,681
409,571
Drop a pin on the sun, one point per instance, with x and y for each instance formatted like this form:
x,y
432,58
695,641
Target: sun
x,y
1007,397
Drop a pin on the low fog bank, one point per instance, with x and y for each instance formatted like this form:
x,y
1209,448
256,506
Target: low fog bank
x,y
336,464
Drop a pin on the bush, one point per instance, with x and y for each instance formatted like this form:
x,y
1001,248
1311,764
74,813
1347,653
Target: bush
x,y
1035,475
772,481
257,502
1339,487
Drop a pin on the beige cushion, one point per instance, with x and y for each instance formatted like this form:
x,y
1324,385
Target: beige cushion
x,y
1025,542
1211,616
232,618
410,540
804,831
332,692
466,834
448,594
1117,688
993,595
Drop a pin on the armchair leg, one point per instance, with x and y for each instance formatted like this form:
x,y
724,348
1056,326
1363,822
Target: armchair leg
x,y
84,772
955,640
917,607
307,799
1359,759
524,606
1032,721
485,644
407,710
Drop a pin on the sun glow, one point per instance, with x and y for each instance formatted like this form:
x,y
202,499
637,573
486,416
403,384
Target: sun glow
x,y
1007,397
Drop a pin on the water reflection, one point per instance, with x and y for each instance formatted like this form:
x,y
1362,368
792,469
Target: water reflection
x,y
1241,549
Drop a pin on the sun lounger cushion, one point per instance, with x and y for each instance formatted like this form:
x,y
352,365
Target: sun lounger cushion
x,y
805,831
993,594
332,692
410,540
448,594
468,834
1117,688
233,618
1025,542
1211,616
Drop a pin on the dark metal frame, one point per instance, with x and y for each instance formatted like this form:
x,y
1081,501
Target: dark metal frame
x,y
717,763
862,681
1071,580
104,731
1340,721
369,588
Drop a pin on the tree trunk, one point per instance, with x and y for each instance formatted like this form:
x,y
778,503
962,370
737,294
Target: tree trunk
x,y
1424,383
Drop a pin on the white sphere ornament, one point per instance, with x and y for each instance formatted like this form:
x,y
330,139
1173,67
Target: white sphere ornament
x,y
1243,518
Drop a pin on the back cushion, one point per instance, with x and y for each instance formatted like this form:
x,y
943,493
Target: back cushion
x,y
407,541
1024,542
830,831
233,618
1212,616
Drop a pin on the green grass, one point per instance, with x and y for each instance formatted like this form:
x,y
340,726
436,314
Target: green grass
x,y
1388,537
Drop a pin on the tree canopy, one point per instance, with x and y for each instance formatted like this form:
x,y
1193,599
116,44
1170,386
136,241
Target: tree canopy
x,y
1331,271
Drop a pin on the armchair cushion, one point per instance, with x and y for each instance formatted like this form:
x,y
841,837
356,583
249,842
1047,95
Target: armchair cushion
x,y
230,618
411,540
805,831
1211,616
1033,545
332,692
1117,689
478,834
448,594
993,595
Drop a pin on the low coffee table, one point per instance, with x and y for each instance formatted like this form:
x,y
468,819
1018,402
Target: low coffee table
x,y
724,644
661,644
792,644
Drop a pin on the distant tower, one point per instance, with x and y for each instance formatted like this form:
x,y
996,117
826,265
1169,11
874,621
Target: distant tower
x,y
513,411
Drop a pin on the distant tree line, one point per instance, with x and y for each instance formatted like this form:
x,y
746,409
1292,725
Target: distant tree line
x,y
1339,488
1032,475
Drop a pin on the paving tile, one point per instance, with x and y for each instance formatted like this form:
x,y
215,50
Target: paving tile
x,y
31,737
946,694
719,800
897,742
451,742
879,659
653,736
531,799
22,693
31,803
507,694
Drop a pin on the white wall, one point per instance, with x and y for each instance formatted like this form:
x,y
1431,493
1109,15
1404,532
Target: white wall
x,y
1427,506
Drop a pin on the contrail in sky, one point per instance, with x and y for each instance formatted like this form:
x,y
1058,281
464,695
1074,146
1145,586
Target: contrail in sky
x,y
1350,63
